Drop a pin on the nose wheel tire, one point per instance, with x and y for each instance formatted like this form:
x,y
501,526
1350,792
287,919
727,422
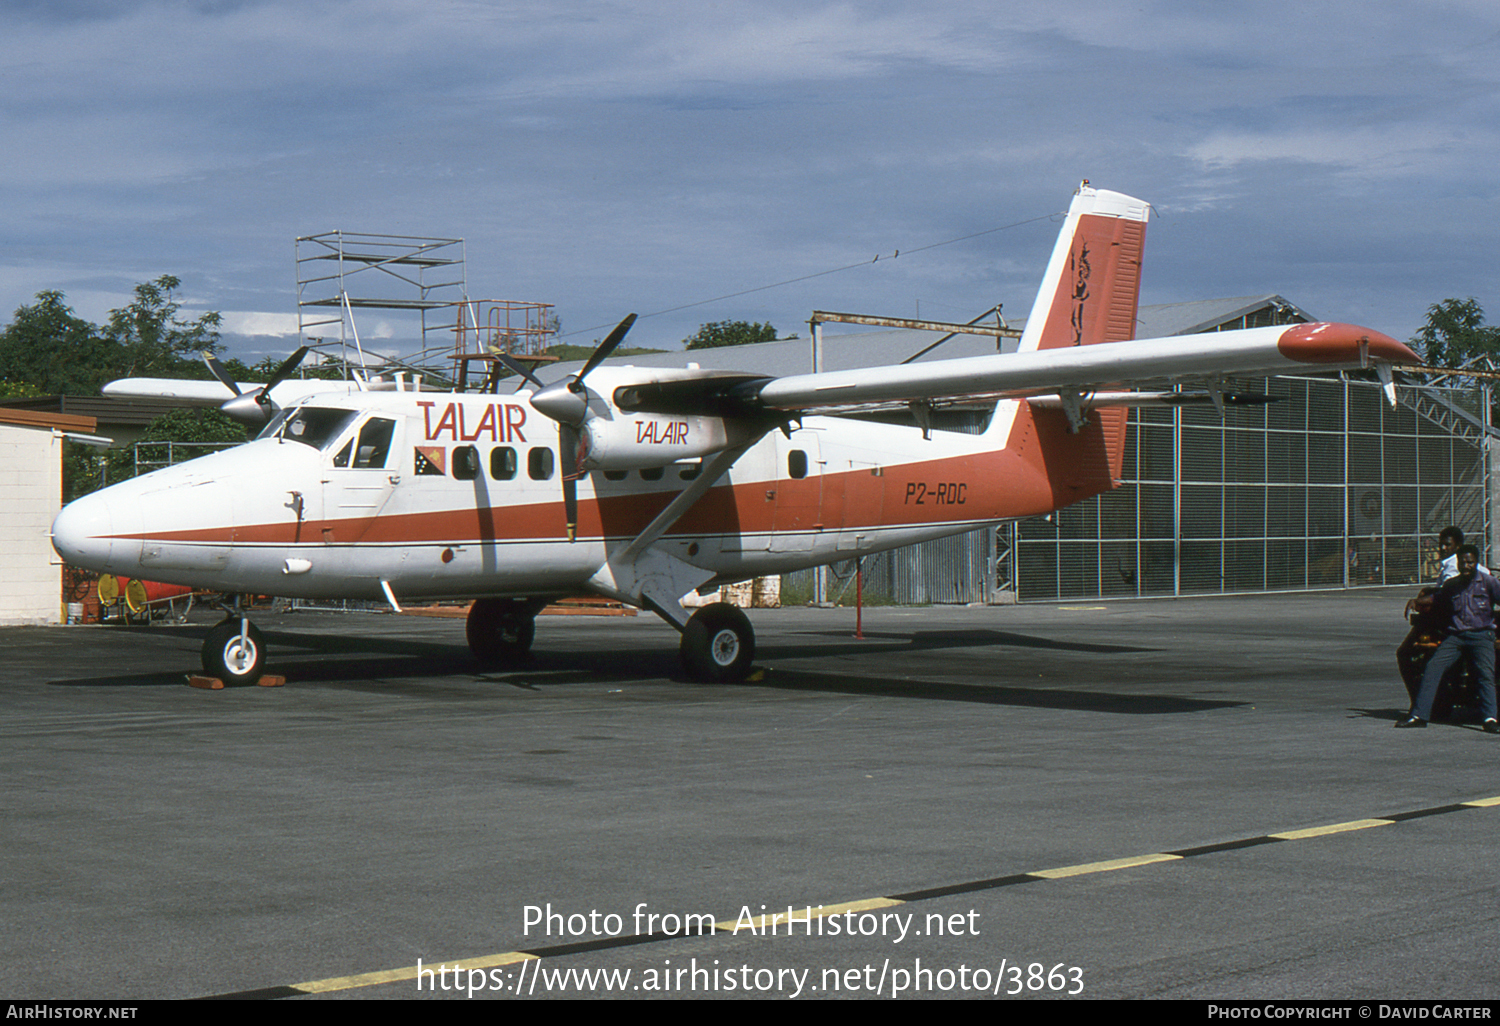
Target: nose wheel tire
x,y
233,655
718,644
500,630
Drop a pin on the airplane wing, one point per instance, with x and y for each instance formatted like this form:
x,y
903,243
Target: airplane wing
x,y
1300,348
213,393
1074,370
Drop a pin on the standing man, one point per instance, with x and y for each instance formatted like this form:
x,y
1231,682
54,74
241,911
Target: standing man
x,y
1419,611
1466,604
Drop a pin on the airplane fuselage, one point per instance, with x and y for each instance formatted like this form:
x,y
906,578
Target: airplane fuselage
x,y
457,496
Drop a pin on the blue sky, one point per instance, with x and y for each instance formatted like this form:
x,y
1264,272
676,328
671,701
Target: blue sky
x,y
622,156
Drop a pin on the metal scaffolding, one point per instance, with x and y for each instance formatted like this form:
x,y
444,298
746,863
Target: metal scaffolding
x,y
339,272
423,278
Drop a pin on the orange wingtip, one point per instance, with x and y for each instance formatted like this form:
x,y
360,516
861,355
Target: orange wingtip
x,y
1340,343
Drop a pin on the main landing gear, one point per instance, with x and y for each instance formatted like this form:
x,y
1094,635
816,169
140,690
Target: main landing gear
x,y
718,644
500,631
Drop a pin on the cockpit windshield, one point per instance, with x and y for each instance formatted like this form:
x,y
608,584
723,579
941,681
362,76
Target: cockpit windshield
x,y
312,426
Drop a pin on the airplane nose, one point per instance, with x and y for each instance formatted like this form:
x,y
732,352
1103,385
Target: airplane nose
x,y
81,533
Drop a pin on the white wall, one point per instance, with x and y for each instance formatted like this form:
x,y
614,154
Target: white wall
x,y
30,496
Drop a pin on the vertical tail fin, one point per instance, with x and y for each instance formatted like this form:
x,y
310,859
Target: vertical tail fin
x,y
1093,281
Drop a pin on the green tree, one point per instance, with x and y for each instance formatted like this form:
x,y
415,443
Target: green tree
x,y
151,339
729,333
1455,332
19,390
194,424
52,349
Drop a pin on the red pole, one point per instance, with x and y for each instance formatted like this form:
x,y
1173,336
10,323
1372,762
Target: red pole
x,y
859,598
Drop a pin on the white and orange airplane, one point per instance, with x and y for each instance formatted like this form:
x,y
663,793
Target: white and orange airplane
x,y
645,485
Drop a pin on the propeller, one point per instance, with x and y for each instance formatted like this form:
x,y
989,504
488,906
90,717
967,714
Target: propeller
x,y
567,402
254,408
517,367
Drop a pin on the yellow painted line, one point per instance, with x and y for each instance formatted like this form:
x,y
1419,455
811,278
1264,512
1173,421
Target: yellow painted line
x,y
408,973
1103,867
1332,828
1082,609
801,914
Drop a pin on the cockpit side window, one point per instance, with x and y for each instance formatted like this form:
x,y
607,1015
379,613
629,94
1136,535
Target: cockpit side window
x,y
374,442
316,426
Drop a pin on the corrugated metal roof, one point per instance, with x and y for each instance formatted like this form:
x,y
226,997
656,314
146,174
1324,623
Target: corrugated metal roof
x,y
1167,319
852,350
108,412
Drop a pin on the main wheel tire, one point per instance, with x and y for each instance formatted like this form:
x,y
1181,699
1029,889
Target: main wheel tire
x,y
231,657
500,630
718,644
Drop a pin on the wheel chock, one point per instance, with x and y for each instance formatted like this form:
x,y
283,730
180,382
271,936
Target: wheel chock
x,y
267,680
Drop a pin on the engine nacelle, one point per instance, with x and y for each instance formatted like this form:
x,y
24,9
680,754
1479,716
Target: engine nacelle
x,y
640,440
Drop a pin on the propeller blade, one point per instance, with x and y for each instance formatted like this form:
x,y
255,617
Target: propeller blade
x,y
567,403
220,372
602,353
517,367
287,366
568,439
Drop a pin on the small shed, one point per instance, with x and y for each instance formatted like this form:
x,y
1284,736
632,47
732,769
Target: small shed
x,y
31,469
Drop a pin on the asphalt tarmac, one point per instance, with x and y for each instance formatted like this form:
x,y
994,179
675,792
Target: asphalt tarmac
x,y
1162,799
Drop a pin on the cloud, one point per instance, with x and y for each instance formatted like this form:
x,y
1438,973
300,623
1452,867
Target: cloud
x,y
609,155
1368,151
259,323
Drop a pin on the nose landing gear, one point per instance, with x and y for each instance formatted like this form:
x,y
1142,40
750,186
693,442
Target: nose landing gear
x,y
234,652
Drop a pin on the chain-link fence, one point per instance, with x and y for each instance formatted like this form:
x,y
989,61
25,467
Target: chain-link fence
x,y
1329,487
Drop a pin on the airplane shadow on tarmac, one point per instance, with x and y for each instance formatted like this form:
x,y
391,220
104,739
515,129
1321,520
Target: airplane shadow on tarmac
x,y
308,658
982,693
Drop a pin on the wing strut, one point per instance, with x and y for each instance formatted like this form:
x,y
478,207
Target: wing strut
x,y
655,580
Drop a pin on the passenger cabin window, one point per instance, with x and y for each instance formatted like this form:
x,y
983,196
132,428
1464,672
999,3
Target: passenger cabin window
x,y
796,463
503,463
466,463
539,463
651,474
616,475
314,426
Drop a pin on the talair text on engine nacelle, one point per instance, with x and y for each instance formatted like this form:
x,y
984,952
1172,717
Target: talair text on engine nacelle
x,y
638,441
